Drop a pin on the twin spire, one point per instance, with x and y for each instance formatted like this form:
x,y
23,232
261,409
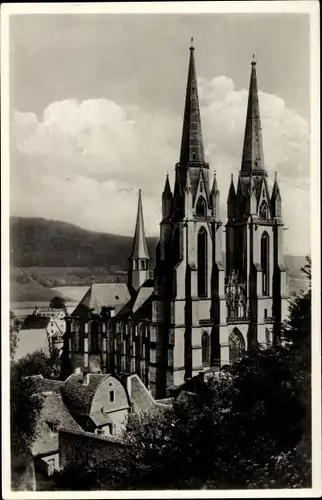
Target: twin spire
x,y
191,144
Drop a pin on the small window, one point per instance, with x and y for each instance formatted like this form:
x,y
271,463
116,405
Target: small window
x,y
111,396
263,210
99,431
201,208
53,427
265,313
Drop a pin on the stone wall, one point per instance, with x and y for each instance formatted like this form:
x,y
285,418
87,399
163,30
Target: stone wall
x,y
77,448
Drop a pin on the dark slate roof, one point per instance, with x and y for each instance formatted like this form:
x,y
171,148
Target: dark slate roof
x,y
40,384
53,411
139,301
33,322
103,295
78,396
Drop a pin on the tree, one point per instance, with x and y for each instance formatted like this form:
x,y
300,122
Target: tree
x,y
58,302
14,338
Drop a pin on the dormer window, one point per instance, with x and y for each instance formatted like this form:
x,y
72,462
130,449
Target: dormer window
x,y
53,426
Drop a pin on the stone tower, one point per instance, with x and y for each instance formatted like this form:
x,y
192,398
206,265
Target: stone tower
x,y
189,275
139,258
255,273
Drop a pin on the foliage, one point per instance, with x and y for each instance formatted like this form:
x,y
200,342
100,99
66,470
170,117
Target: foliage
x,y
58,302
14,338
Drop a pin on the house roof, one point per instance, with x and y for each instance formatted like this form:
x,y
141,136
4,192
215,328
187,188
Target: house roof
x,y
53,411
140,397
78,396
40,384
34,322
138,300
103,295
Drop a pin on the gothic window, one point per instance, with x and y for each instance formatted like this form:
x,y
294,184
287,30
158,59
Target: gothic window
x,y
176,245
267,337
201,207
265,263
94,348
263,210
205,349
236,346
202,263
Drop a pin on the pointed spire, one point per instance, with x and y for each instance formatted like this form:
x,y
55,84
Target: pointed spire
x,y
231,191
214,188
191,144
253,158
139,249
167,189
276,189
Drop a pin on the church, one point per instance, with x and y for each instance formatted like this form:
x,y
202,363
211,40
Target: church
x,y
217,290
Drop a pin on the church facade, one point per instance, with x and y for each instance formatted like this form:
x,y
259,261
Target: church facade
x,y
199,310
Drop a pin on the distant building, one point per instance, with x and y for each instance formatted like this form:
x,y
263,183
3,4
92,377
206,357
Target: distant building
x,y
198,312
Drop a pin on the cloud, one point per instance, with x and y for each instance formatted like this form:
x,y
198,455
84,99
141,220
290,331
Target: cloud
x,y
84,161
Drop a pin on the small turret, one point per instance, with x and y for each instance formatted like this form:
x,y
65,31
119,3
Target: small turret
x,y
231,201
276,200
214,196
167,199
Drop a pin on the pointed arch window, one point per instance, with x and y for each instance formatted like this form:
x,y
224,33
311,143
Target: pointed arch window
x,y
95,337
202,263
205,349
236,346
263,210
201,207
265,263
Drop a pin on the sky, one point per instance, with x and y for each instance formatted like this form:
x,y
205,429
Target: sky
x,y
96,105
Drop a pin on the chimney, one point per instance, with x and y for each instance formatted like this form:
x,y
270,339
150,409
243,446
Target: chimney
x,y
78,371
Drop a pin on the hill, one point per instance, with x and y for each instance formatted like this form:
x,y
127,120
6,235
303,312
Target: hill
x,y
52,253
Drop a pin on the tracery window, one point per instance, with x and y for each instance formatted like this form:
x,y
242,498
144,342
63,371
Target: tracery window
x,y
263,210
201,207
265,263
202,263
236,346
205,349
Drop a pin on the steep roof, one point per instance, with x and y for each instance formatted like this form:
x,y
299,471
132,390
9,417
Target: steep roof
x,y
53,411
103,295
40,384
139,248
78,396
191,144
141,399
138,300
253,158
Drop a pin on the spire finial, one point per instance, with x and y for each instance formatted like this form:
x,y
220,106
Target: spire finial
x,y
191,46
275,175
253,61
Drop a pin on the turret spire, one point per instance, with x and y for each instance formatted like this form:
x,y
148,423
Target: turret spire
x,y
253,158
191,145
139,249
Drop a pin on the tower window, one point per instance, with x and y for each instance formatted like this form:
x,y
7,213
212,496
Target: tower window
x,y
263,210
201,207
265,263
142,263
205,349
111,396
202,263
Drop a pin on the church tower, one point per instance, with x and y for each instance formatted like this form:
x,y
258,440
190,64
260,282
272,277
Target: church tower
x,y
189,275
139,258
255,273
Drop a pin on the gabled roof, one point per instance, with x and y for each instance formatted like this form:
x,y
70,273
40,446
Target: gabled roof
x,y
103,295
140,397
78,396
53,411
138,300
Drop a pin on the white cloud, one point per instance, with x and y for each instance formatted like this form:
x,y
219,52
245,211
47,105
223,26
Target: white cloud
x,y
84,161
